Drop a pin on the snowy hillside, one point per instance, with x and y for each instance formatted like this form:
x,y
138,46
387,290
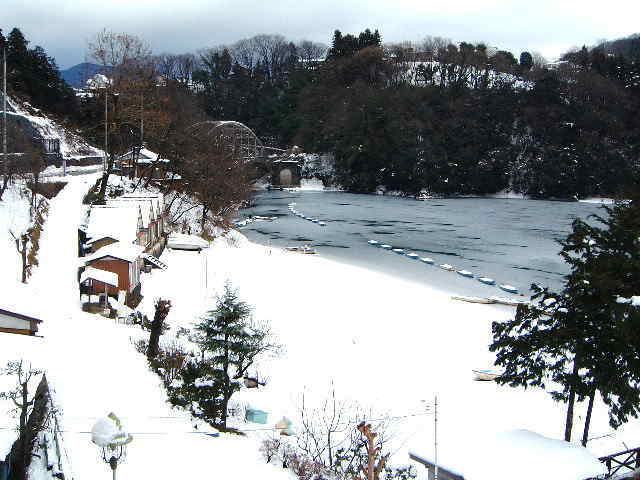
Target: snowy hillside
x,y
93,368
72,145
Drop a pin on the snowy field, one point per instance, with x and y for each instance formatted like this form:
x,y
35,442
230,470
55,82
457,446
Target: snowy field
x,y
385,343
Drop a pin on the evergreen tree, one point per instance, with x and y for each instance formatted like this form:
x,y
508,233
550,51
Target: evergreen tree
x,y
582,338
229,342
526,61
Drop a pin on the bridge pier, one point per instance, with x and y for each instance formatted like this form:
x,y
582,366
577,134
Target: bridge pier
x,y
286,173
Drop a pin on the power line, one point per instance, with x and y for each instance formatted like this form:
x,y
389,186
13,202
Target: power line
x,y
352,422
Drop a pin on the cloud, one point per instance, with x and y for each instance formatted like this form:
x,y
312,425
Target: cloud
x,y
63,27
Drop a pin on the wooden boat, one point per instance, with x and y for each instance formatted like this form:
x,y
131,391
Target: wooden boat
x,y
487,280
447,267
485,301
511,302
465,273
427,260
509,288
485,375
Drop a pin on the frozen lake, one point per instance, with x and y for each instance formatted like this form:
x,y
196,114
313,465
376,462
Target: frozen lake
x,y
512,241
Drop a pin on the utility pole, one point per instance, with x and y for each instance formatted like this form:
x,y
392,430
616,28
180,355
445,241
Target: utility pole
x,y
4,108
435,434
106,128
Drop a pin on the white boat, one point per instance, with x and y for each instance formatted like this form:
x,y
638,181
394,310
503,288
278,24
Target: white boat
x,y
428,260
465,273
181,241
485,375
487,280
413,256
305,249
373,242
322,224
315,220
423,196
508,288
447,267
399,251
386,247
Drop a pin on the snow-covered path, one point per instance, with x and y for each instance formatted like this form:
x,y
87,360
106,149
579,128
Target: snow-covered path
x,y
94,369
57,275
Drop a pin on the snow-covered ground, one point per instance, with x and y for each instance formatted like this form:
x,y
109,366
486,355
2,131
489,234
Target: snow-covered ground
x,y
93,369
387,344
72,145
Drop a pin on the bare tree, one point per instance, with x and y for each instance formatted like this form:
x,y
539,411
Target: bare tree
x,y
25,404
157,325
310,52
126,60
22,247
375,460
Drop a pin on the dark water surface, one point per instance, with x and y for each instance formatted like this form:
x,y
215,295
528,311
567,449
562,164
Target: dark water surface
x,y
512,241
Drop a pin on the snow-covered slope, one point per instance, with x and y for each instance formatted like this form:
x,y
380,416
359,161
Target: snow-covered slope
x,y
72,145
94,369
387,344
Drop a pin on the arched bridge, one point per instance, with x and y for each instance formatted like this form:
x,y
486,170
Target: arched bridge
x,y
243,144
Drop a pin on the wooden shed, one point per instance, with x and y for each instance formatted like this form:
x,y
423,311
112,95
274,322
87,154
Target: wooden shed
x,y
14,322
119,258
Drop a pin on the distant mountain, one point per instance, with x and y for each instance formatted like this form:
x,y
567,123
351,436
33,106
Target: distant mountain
x,y
78,75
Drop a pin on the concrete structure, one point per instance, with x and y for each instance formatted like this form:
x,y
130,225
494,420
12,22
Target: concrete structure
x,y
286,173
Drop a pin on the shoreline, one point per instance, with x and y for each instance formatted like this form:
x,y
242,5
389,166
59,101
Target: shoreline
x,y
331,317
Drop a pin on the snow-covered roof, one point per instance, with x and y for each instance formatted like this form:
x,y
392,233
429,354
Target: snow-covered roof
x,y
123,251
147,208
115,221
186,240
553,458
21,301
158,197
110,278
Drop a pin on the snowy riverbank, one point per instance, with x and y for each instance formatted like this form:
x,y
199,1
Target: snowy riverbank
x,y
383,342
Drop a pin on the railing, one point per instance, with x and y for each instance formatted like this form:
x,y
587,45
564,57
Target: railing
x,y
628,459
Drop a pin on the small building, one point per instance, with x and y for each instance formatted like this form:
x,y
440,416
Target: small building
x,y
18,323
122,259
94,280
115,223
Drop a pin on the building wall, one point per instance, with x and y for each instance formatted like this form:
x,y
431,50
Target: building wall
x,y
120,267
7,321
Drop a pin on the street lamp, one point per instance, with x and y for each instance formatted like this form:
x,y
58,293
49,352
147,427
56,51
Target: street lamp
x,y
112,439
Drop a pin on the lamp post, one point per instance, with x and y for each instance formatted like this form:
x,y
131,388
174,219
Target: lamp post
x,y
109,435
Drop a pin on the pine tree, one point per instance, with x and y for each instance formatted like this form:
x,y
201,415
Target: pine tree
x,y
229,341
582,338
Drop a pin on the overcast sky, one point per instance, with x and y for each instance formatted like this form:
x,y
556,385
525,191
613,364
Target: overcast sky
x,y
550,27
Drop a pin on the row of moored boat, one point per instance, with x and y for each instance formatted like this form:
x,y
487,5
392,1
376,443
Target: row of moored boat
x,y
444,266
292,209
